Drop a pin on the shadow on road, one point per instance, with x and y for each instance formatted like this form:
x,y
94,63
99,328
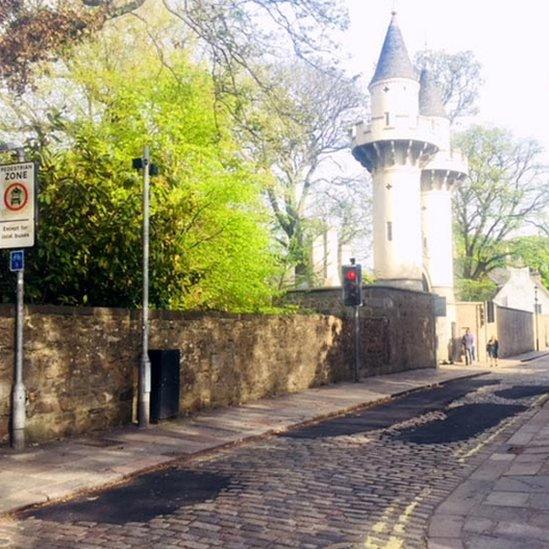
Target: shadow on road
x,y
144,498
461,423
392,413
522,391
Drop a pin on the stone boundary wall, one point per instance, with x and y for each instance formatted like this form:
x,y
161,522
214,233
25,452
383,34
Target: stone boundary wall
x,y
468,316
80,367
397,326
543,332
515,329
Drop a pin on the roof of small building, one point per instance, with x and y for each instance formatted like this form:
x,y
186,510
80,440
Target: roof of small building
x,y
394,61
430,96
502,275
516,288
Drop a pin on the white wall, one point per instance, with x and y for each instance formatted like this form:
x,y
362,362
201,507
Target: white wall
x,y
325,258
400,257
437,236
519,291
397,96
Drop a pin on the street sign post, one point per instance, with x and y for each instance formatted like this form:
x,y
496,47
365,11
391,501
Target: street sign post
x,y
17,228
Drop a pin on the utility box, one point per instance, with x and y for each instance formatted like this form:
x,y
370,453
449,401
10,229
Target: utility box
x,y
165,364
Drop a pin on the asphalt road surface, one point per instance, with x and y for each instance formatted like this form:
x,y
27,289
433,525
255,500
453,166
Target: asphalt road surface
x,y
371,478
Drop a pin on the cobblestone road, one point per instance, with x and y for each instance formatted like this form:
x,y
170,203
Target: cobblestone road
x,y
370,479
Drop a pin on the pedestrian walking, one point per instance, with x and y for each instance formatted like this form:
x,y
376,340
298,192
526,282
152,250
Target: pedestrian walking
x,y
492,348
468,344
473,350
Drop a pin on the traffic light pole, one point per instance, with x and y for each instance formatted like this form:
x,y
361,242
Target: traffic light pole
x,y
351,282
145,364
357,344
19,396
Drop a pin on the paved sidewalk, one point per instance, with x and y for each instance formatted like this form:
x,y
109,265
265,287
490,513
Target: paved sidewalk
x,y
504,504
63,468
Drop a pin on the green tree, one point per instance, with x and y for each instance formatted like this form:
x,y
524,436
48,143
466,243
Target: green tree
x,y
475,290
533,252
506,187
209,241
242,43
235,34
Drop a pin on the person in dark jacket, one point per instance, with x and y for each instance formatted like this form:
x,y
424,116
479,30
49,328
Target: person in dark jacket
x,y
468,344
492,347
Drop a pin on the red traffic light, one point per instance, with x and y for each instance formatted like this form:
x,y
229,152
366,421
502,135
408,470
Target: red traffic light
x,y
352,285
351,276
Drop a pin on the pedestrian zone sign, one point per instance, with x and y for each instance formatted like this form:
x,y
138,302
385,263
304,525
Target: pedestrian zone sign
x,y
17,205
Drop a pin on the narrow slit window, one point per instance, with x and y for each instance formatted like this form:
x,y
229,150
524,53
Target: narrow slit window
x,y
387,119
389,230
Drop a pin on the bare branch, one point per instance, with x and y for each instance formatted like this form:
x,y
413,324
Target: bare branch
x,y
458,76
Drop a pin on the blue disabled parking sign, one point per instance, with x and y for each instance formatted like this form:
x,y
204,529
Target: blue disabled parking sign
x,y
17,261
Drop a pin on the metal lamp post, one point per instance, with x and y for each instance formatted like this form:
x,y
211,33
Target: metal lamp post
x,y
144,404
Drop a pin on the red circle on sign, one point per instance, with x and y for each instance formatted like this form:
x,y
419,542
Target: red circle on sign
x,y
12,202
351,275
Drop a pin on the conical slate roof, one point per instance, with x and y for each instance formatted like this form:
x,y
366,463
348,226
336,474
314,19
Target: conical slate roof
x,y
394,61
430,98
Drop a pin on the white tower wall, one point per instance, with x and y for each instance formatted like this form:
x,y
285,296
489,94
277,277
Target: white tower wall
x,y
397,225
438,259
438,181
441,130
396,96
437,237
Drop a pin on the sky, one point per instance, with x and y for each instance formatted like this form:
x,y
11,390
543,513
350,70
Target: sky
x,y
509,38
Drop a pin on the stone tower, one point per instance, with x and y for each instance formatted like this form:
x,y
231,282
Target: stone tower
x,y
438,179
396,144
406,147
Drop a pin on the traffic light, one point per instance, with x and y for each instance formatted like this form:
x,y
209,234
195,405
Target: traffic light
x,y
481,315
352,285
